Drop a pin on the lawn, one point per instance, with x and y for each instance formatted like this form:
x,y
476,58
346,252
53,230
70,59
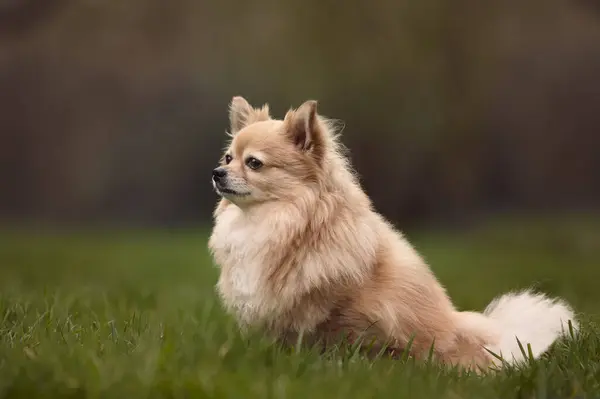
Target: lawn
x,y
134,314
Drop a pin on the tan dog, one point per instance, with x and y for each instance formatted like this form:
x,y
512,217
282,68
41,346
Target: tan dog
x,y
301,250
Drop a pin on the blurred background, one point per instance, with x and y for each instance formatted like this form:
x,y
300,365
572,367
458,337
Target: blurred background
x,y
115,112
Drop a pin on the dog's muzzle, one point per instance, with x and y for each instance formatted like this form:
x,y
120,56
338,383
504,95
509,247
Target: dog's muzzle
x,y
219,174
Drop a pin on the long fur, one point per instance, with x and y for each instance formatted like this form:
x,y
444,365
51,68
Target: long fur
x,y
301,250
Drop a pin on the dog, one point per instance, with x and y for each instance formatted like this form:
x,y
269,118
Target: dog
x,y
302,253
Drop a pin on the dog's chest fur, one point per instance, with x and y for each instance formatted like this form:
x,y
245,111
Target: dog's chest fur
x,y
270,268
239,245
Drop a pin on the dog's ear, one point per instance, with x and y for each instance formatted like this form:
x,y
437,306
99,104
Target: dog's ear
x,y
303,128
242,114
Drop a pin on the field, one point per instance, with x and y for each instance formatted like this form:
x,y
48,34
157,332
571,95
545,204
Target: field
x,y
133,314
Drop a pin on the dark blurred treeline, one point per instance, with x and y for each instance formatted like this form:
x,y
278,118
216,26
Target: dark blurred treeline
x,y
116,110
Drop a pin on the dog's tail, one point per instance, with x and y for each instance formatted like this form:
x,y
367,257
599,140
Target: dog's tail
x,y
529,318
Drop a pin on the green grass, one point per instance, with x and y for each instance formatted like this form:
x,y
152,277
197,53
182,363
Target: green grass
x,y
134,314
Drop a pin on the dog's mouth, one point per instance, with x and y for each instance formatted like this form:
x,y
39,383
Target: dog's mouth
x,y
231,192
224,191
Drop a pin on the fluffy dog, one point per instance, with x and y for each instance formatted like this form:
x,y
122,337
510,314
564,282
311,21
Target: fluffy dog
x,y
302,251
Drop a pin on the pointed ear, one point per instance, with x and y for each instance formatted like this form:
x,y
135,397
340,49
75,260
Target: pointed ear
x,y
239,111
241,114
302,127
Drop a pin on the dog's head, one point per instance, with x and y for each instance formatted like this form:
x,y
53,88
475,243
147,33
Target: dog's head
x,y
269,159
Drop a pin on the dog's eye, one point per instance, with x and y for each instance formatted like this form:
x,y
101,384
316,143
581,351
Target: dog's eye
x,y
253,163
228,159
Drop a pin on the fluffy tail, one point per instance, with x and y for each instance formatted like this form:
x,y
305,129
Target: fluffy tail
x,y
532,318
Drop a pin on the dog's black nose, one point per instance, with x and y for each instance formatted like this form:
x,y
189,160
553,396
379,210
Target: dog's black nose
x,y
219,173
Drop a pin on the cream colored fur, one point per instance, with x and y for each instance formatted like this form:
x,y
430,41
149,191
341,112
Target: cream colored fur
x,y
301,250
